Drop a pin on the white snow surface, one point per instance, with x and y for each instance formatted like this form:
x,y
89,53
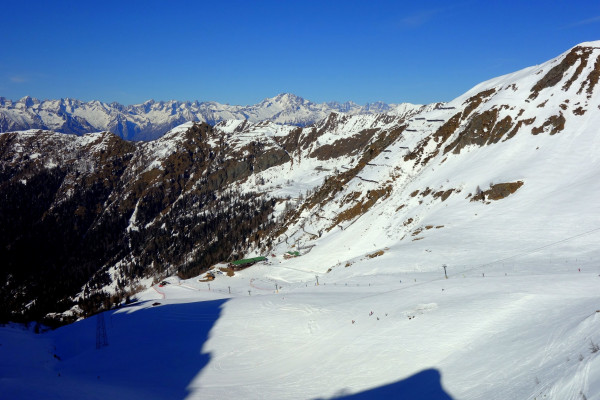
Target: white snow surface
x,y
511,334
517,317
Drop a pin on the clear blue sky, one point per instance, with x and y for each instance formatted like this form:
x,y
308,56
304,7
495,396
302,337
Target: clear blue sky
x,y
242,52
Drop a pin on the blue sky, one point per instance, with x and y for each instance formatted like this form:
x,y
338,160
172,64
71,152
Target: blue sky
x,y
242,52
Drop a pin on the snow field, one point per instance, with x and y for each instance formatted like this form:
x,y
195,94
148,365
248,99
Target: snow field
x,y
303,343
516,333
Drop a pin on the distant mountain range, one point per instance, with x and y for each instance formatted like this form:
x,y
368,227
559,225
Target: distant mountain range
x,y
151,119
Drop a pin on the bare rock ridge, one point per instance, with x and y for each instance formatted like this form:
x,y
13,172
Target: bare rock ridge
x,y
86,220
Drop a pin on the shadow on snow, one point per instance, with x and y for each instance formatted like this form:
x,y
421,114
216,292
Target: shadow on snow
x,y
425,385
156,352
152,352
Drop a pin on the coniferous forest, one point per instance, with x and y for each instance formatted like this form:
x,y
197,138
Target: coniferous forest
x,y
70,214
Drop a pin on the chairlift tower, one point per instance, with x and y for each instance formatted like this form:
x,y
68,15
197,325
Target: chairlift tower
x,y
101,339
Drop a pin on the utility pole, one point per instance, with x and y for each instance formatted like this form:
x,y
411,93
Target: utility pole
x,y
101,339
445,274
316,276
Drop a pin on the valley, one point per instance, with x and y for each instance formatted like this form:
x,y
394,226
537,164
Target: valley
x,y
359,217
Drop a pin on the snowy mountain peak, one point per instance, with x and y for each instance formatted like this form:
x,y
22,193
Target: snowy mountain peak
x,y
575,73
592,44
285,101
27,101
288,98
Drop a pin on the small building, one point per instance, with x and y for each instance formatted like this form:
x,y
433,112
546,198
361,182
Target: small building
x,y
246,262
291,254
209,276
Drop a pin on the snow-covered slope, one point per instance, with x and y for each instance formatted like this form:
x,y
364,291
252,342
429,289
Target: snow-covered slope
x,y
500,186
174,199
378,329
505,135
152,119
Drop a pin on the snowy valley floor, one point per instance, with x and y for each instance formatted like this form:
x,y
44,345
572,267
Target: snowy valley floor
x,y
510,334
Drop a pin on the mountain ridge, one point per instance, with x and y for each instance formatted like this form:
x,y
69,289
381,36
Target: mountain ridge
x,y
142,211
151,119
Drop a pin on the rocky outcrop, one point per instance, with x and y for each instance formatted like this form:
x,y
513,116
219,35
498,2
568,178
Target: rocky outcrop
x,y
498,191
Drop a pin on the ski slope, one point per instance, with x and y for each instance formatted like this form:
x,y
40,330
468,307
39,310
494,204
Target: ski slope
x,y
513,333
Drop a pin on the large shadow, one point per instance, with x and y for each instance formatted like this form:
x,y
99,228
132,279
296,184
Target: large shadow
x,y
153,352
425,385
